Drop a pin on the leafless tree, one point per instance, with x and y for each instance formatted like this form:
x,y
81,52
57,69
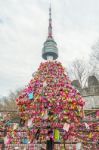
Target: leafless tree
x,y
9,102
79,70
94,58
95,51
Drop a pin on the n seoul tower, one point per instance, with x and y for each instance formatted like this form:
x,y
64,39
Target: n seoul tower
x,y
50,50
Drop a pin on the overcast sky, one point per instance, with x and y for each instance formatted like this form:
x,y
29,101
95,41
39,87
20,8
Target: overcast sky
x,y
23,30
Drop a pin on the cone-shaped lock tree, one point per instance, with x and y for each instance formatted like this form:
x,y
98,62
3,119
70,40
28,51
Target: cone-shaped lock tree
x,y
50,105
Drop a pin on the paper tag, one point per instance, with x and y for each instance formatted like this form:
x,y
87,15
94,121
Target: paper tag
x,y
66,127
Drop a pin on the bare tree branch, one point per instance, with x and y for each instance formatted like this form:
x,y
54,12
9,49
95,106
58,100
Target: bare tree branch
x,y
80,71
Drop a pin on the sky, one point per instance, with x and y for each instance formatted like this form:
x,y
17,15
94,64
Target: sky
x,y
24,28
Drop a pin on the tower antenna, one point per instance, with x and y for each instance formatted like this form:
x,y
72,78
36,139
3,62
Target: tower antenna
x,y
50,21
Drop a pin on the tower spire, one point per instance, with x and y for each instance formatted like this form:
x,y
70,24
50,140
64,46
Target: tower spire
x,y
50,22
